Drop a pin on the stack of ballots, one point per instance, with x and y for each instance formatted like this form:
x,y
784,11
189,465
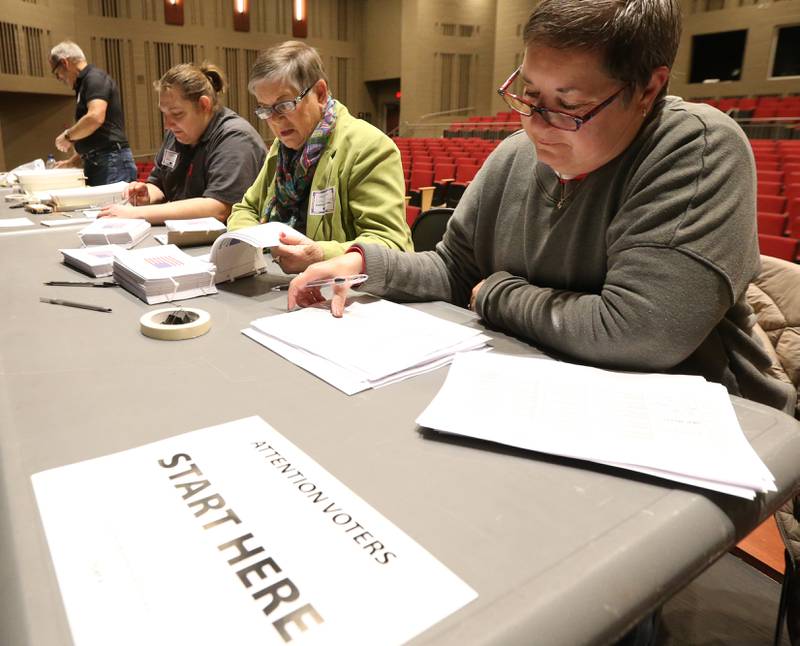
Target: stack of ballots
x,y
121,231
374,344
161,274
96,261
678,427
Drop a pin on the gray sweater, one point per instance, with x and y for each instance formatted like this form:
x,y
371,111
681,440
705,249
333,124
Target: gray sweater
x,y
644,266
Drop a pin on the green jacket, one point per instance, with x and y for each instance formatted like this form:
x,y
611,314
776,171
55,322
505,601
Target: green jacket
x,y
361,166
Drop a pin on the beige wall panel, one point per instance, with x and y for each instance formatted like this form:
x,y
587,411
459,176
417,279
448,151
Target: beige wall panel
x,y
511,18
382,27
760,20
30,124
423,42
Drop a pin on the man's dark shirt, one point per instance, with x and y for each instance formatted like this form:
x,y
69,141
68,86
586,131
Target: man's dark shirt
x,y
93,83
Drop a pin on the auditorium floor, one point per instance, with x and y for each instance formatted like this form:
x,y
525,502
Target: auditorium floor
x,y
731,604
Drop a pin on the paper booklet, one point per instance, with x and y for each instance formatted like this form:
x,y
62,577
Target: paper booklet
x,y
677,427
374,344
241,253
70,199
162,274
95,261
232,534
122,231
188,233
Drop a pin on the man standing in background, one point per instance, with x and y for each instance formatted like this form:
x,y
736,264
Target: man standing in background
x,y
98,134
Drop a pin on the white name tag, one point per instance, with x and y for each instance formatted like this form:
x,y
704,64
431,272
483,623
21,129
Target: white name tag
x,y
322,201
170,158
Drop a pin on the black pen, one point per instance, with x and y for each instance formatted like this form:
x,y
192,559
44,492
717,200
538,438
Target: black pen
x,y
84,306
80,283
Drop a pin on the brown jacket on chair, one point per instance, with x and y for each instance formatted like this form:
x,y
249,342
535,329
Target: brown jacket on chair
x,y
775,299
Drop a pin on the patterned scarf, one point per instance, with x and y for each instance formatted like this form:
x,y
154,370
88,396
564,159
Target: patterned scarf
x,y
295,172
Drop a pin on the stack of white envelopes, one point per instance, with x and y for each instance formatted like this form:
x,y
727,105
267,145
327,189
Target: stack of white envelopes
x,y
187,233
161,274
121,231
67,199
374,344
96,261
678,427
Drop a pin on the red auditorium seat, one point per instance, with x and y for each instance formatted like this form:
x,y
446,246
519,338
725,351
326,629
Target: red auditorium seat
x,y
794,218
412,213
778,246
771,203
770,176
769,188
791,191
762,164
772,224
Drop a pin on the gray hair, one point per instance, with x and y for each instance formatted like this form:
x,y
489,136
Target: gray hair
x,y
66,49
633,36
294,62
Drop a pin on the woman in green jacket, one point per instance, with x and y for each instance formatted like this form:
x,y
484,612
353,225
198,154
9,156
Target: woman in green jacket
x,y
334,178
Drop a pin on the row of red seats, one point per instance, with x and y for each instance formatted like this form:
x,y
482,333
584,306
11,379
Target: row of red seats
x,y
763,107
143,170
775,145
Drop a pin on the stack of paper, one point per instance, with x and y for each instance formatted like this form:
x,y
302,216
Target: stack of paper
x,y
186,233
124,232
161,274
95,261
677,427
70,199
36,179
234,259
374,344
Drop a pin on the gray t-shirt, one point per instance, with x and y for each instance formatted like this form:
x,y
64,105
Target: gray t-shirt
x,y
222,165
644,267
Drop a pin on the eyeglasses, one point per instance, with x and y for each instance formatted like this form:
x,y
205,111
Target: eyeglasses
x,y
559,120
56,67
282,107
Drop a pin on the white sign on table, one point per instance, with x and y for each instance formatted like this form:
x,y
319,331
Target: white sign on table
x,y
232,535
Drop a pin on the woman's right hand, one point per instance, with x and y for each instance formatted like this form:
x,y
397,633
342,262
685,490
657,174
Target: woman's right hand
x,y
348,264
137,194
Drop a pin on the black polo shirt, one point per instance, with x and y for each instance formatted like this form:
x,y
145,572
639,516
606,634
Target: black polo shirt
x,y
222,165
93,83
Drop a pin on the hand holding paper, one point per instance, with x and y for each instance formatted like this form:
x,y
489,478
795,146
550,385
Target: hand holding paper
x,y
137,194
296,252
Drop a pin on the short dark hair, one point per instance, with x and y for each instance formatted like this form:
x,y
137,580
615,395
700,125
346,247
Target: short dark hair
x,y
295,62
633,36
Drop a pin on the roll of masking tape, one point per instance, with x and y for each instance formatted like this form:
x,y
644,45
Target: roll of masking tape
x,y
175,324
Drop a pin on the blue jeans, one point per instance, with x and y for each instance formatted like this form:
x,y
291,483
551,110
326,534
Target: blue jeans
x,y
109,167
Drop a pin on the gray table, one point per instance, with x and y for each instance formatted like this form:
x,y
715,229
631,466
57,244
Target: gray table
x,y
560,552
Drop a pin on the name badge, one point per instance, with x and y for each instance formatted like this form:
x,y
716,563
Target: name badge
x,y
170,158
322,201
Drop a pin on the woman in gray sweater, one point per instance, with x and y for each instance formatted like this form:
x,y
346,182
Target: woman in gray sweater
x,y
617,229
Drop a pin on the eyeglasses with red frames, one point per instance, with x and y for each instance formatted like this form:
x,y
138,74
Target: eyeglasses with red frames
x,y
560,120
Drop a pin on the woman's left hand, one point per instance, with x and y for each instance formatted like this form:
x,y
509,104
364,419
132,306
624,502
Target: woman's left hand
x,y
296,252
474,297
119,211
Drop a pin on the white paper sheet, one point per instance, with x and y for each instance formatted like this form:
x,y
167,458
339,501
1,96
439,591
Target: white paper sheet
x,y
374,344
344,379
667,423
64,222
376,338
16,222
143,547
